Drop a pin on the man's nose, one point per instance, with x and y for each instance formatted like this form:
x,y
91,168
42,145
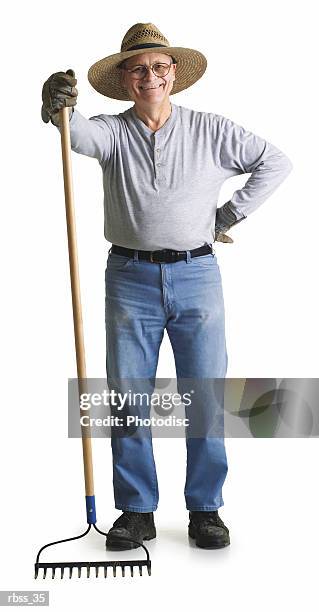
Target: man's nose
x,y
150,76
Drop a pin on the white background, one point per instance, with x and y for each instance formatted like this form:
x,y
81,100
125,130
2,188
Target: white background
x,y
261,74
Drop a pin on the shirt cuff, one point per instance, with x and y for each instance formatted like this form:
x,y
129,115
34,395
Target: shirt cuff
x,y
227,216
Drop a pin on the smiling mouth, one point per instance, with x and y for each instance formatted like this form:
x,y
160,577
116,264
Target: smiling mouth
x,y
156,87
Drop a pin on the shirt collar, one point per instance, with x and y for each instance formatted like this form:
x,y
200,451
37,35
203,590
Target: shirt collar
x,y
144,129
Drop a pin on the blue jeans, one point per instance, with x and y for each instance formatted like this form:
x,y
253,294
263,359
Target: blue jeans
x,y
186,299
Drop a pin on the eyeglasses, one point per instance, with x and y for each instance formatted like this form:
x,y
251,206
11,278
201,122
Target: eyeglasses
x,y
158,68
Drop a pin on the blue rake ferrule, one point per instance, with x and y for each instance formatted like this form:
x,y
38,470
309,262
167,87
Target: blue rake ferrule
x,y
90,509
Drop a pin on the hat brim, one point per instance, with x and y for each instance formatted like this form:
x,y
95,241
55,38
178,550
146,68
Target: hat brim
x,y
105,75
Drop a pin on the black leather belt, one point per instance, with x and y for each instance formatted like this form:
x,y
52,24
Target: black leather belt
x,y
163,256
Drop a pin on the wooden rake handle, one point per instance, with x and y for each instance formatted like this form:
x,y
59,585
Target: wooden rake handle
x,y
76,302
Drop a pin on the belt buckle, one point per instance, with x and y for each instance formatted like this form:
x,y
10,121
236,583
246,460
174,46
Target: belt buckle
x,y
173,256
152,258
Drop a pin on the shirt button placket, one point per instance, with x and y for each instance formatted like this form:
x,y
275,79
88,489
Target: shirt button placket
x,y
157,155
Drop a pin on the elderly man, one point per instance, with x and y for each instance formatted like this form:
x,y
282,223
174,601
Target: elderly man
x,y
163,166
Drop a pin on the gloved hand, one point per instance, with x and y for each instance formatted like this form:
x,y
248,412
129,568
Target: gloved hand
x,y
57,92
221,237
225,219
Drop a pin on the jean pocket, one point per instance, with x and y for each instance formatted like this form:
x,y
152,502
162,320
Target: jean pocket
x,y
118,262
205,260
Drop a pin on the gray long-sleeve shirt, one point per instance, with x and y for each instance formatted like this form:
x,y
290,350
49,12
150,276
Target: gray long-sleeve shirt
x,y
161,188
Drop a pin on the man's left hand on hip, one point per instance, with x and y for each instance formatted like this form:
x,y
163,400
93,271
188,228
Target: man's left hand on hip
x,y
225,219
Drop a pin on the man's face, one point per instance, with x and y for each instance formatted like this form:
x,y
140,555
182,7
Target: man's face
x,y
150,89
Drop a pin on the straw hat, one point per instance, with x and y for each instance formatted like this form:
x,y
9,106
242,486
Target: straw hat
x,y
105,75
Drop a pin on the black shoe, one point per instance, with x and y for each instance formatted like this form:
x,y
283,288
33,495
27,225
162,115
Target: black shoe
x,y
135,525
208,529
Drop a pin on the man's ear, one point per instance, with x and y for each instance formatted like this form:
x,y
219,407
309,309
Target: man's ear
x,y
174,71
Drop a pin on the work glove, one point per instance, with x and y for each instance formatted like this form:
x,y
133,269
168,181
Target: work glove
x,y
57,92
225,219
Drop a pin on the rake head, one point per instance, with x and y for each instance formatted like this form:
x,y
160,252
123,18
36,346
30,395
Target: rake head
x,y
96,566
60,568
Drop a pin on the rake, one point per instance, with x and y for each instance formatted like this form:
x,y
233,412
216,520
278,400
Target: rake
x,y
81,370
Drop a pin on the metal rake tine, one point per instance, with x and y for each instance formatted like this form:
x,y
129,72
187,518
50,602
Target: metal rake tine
x,y
88,569
105,571
123,571
79,572
97,571
44,573
140,570
70,572
114,571
53,572
132,570
62,572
